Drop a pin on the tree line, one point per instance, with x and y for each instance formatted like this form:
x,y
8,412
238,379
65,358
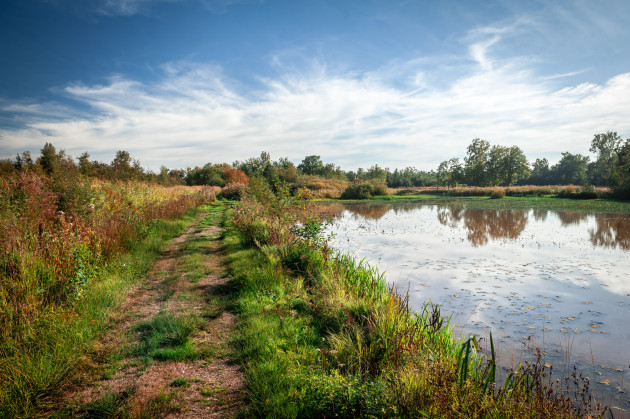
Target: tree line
x,y
495,165
483,165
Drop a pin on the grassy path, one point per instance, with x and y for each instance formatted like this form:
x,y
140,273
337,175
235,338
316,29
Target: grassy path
x,y
168,353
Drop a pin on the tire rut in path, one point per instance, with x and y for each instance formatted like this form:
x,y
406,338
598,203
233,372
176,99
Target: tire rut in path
x,y
188,281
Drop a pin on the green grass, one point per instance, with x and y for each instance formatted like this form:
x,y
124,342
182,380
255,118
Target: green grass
x,y
166,337
52,348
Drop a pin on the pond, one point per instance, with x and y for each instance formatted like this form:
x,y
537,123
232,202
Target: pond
x,y
556,280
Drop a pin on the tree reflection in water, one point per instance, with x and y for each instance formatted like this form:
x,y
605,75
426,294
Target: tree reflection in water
x,y
369,212
483,225
612,230
568,218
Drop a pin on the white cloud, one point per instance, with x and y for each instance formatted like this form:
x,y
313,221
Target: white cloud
x,y
396,116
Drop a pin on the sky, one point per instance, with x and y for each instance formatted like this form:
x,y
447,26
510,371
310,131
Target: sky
x,y
182,83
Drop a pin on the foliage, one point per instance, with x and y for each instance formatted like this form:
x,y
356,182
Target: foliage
x,y
233,191
364,190
605,147
620,172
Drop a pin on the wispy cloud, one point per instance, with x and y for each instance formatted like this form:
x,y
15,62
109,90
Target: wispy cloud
x,y
196,114
133,7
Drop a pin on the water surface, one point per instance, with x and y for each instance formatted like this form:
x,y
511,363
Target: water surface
x,y
558,280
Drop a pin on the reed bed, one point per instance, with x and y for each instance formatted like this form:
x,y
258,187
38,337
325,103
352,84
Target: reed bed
x,y
563,191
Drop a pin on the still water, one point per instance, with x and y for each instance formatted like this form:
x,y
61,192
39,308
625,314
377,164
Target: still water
x,y
557,280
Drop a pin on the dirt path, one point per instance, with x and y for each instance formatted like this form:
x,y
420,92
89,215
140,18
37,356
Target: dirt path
x,y
168,354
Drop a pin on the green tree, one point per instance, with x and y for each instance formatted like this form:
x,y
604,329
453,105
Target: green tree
x,y
85,166
619,179
604,146
495,165
540,172
570,170
476,162
515,166
311,165
450,173
48,159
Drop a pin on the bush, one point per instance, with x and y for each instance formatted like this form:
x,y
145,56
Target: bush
x,y
358,191
233,191
497,194
380,190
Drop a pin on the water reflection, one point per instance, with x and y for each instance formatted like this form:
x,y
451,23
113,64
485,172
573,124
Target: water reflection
x,y
483,225
370,212
612,230
568,218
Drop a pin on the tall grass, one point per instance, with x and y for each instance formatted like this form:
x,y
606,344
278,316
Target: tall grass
x,y
321,334
64,261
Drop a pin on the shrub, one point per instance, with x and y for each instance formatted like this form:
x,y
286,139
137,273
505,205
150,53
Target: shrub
x,y
497,193
358,191
233,191
380,190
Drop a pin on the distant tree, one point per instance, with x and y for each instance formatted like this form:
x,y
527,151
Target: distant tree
x,y
540,172
495,165
311,165
48,159
376,174
515,166
256,166
209,174
476,162
231,175
286,169
619,179
85,166
604,146
450,173
24,161
570,170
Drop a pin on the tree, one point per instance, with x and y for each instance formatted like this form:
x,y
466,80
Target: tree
x,y
515,166
619,179
24,162
450,172
311,165
570,170
476,162
85,166
604,146
256,166
540,172
495,165
48,159
231,175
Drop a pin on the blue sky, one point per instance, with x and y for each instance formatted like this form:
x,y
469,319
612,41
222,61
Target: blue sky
x,y
398,83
